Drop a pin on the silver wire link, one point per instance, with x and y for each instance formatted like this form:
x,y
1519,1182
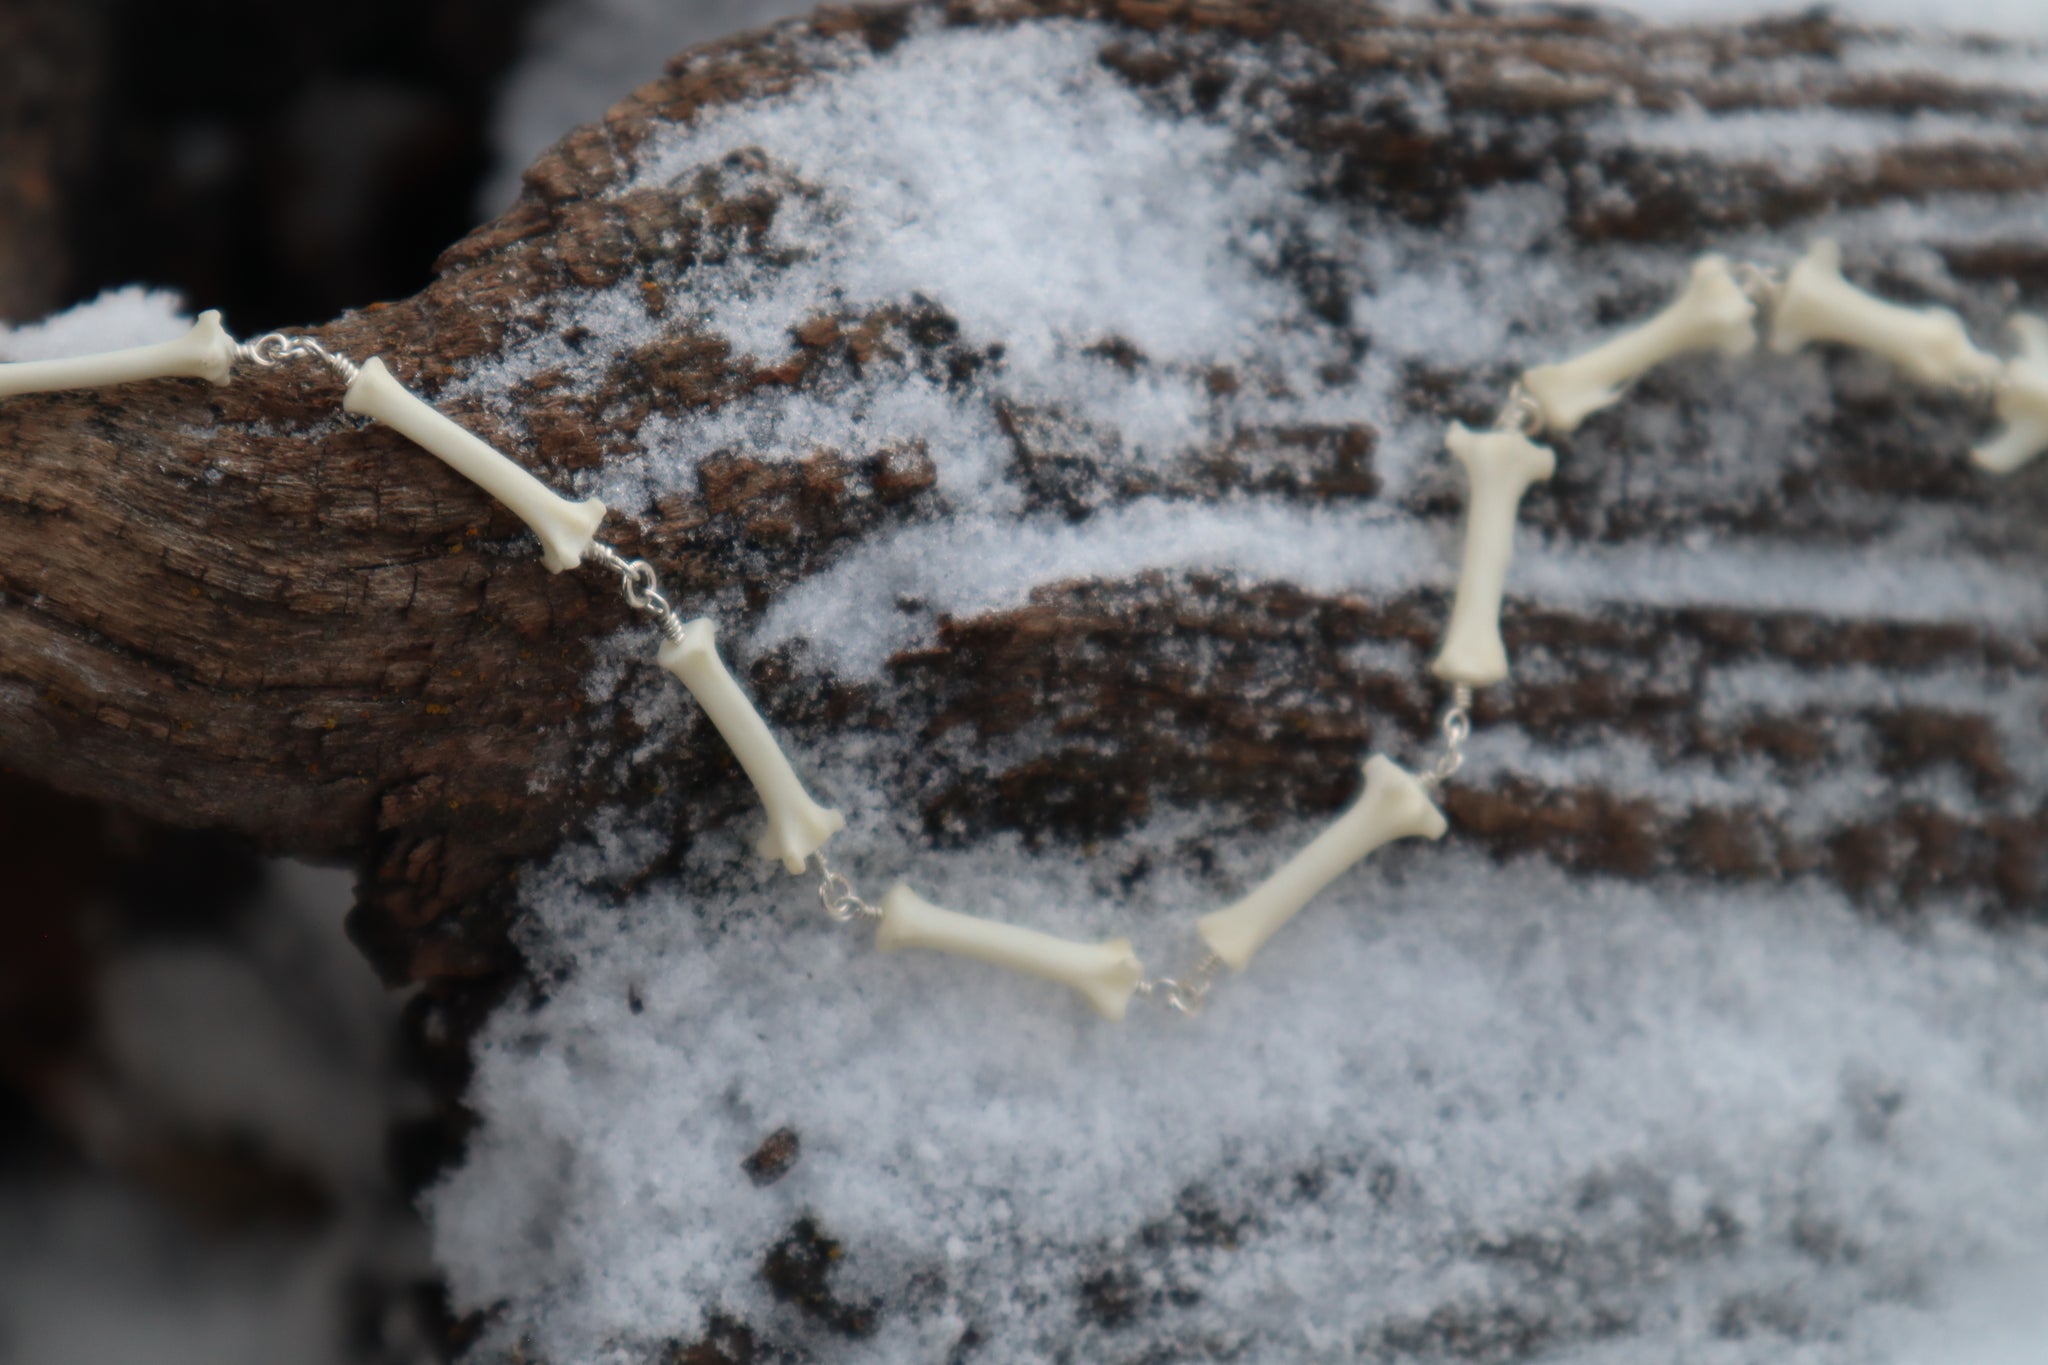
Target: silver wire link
x,y
842,904
640,587
1189,994
1456,728
1762,283
1765,285
274,348
1983,392
1520,413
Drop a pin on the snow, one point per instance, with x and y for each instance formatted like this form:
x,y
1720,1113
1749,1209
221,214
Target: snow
x,y
848,619
903,209
117,319
1983,16
1013,247
1742,1124
1500,1038
1789,143
582,54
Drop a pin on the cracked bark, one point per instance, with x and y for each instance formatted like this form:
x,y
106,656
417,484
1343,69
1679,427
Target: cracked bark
x,y
234,608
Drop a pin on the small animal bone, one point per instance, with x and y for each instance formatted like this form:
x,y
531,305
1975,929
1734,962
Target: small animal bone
x,y
206,352
1393,806
2022,402
1929,344
1499,467
797,825
1712,313
1104,973
565,528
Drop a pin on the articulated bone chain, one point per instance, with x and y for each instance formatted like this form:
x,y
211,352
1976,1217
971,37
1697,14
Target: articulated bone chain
x,y
1929,344
797,825
1712,314
2022,402
206,352
565,528
1499,467
1393,806
1104,973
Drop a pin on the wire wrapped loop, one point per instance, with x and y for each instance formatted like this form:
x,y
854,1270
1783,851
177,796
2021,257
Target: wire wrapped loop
x,y
1187,995
841,903
1456,728
274,348
640,586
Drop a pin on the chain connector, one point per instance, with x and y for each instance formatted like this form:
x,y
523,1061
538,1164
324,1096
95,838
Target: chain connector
x,y
1985,392
640,586
1521,413
1456,728
1188,995
274,348
1763,284
841,903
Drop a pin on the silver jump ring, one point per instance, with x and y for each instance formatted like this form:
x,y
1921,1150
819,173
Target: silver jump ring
x,y
1762,283
1521,413
274,348
642,588
841,903
1189,996
1456,728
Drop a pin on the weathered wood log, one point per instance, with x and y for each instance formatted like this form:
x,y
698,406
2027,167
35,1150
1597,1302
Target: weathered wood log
x,y
229,608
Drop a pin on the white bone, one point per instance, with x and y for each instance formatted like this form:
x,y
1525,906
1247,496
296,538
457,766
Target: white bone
x,y
2022,402
1929,344
1104,973
1711,314
565,528
797,825
206,352
1499,467
1393,806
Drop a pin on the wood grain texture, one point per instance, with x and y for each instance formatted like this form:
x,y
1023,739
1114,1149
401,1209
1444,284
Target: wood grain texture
x,y
235,608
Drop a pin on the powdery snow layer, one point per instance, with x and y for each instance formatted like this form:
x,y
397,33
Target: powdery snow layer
x,y
117,319
1449,1089
1981,16
1456,1104
580,54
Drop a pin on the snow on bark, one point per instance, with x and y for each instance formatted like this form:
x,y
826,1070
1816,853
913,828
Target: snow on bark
x,y
1710,1032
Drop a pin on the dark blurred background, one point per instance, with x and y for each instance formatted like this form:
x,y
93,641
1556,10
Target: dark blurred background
x,y
212,1116
281,162
211,1113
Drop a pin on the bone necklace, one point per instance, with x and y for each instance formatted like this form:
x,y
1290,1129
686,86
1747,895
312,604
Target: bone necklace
x,y
1718,310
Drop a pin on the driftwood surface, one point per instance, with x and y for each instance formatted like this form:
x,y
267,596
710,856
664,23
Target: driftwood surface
x,y
232,608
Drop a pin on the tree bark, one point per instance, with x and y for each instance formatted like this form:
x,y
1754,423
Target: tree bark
x,y
235,608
